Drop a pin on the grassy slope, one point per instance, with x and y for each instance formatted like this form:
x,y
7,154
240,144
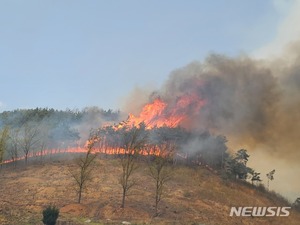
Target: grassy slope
x,y
193,196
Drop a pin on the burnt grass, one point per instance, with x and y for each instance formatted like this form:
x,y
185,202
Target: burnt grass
x,y
194,195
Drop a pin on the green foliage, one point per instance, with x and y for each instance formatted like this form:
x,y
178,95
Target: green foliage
x,y
296,204
255,176
242,156
57,125
236,167
50,215
4,136
270,177
19,117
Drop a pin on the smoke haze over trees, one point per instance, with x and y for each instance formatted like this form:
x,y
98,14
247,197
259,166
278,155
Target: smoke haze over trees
x,y
254,103
51,128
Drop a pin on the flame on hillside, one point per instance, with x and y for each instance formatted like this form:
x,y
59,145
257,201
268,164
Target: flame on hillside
x,y
158,113
96,150
154,114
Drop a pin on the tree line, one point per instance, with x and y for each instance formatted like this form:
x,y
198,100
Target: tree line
x,y
25,132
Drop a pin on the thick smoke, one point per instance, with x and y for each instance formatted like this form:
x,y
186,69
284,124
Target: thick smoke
x,y
246,100
92,118
254,103
240,95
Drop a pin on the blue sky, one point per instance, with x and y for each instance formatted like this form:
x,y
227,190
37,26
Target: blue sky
x,y
72,54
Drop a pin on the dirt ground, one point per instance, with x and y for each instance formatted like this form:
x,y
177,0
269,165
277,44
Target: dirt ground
x,y
192,196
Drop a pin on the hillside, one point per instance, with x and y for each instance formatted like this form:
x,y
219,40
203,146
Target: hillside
x,y
193,196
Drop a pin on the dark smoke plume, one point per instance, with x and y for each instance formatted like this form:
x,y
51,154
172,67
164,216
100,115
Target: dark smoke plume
x,y
240,95
246,100
254,103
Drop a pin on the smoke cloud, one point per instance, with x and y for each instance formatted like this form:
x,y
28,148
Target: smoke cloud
x,y
240,95
247,100
286,32
254,103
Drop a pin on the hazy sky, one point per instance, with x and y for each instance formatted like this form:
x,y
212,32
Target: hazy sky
x,y
71,54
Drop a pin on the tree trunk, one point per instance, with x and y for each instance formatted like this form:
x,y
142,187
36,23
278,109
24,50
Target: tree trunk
x,y
156,207
79,195
156,198
123,198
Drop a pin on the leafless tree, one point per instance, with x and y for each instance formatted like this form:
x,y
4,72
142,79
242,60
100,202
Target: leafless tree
x,y
133,140
160,170
29,139
82,174
13,149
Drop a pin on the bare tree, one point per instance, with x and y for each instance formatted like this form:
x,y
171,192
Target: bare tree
x,y
41,151
133,141
160,171
13,149
82,174
42,144
29,139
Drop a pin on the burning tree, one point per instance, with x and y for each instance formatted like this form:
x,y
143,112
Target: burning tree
x,y
84,167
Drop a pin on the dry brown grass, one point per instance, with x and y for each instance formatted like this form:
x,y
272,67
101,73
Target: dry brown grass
x,y
193,196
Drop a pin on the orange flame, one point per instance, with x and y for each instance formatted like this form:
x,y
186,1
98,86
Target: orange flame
x,y
158,113
107,151
155,114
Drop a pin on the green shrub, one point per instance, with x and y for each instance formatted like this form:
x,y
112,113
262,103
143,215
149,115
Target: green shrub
x,y
50,215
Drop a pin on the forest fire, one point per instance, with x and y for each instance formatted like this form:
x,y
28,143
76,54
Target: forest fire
x,y
202,110
107,151
158,113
